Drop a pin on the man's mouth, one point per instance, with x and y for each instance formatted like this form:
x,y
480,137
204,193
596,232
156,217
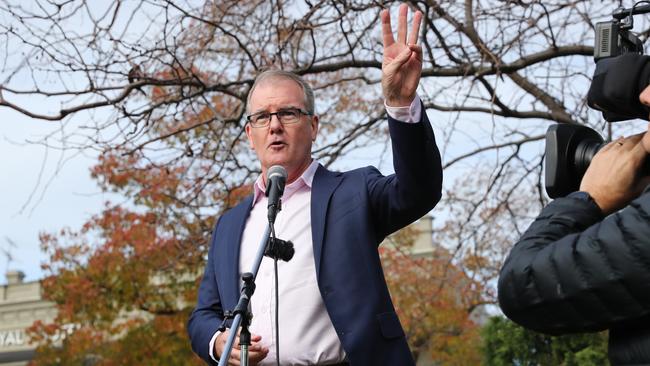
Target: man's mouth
x,y
276,144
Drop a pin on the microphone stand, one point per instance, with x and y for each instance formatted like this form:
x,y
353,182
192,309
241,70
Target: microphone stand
x,y
277,176
274,248
241,313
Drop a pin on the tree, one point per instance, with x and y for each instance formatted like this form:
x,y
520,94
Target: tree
x,y
158,90
434,299
506,343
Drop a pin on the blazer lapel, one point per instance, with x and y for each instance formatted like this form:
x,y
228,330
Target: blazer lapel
x,y
324,184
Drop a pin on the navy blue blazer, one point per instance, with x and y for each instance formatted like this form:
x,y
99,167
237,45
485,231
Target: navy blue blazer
x,y
351,212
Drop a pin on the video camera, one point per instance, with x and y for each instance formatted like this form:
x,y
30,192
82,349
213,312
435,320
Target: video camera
x,y
622,72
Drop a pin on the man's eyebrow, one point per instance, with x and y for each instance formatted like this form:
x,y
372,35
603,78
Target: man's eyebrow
x,y
263,110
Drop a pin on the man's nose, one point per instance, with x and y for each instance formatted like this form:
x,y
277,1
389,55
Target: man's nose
x,y
275,124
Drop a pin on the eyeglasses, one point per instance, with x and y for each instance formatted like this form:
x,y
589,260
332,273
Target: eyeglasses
x,y
286,116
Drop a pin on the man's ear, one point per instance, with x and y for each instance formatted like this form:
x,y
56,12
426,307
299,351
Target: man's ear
x,y
314,127
249,134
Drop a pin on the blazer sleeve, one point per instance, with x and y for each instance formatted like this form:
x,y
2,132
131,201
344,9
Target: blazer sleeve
x,y
208,313
573,271
415,188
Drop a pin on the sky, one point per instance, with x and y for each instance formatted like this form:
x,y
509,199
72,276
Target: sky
x,y
43,190
37,194
64,195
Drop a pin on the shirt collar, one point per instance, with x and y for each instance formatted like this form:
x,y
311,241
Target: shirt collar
x,y
306,179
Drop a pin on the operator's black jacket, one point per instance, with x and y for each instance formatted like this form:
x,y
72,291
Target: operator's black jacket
x,y
575,271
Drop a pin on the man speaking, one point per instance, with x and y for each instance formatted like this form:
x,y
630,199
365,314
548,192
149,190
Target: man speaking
x,y
334,308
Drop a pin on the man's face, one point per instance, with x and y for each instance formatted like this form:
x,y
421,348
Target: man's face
x,y
277,144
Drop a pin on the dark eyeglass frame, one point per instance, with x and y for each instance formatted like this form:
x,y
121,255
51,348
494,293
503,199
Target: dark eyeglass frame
x,y
278,114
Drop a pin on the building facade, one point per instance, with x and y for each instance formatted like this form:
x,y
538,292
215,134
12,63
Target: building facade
x,y
20,305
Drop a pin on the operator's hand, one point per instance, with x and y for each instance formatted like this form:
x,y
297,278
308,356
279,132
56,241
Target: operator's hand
x,y
402,64
256,352
613,178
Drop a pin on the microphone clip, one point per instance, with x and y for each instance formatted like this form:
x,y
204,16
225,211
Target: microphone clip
x,y
279,249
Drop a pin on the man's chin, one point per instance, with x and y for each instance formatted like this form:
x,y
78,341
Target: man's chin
x,y
279,158
273,162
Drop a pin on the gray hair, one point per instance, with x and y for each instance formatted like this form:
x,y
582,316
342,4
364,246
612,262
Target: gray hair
x,y
281,74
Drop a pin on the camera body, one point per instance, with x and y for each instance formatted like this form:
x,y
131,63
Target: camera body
x,y
613,39
569,150
622,72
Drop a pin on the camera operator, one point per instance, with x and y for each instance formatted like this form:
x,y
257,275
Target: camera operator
x,y
584,264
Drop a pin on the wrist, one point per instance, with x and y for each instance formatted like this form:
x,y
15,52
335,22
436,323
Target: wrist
x,y
587,196
398,102
218,345
582,196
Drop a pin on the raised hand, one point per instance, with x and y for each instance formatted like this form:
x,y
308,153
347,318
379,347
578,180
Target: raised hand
x,y
402,63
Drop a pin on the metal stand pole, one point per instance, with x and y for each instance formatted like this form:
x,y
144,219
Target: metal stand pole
x,y
241,310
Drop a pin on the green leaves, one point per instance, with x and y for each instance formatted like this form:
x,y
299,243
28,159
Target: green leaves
x,y
506,343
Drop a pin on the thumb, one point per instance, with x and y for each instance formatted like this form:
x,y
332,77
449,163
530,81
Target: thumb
x,y
400,60
417,49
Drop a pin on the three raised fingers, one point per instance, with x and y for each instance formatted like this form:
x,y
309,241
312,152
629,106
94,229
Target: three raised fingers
x,y
387,31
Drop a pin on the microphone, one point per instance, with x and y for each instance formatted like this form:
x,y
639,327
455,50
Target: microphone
x,y
276,177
